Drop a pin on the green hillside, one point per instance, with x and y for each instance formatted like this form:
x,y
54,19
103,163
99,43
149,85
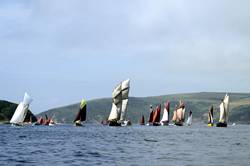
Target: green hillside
x,y
199,103
7,110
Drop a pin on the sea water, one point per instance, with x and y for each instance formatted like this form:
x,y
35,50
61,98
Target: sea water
x,y
135,145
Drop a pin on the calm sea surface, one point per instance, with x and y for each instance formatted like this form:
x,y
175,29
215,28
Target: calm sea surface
x,y
136,145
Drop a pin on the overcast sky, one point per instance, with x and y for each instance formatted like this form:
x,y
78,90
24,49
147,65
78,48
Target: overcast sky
x,y
60,51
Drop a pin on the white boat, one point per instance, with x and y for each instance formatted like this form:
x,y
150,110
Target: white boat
x,y
21,111
120,94
224,112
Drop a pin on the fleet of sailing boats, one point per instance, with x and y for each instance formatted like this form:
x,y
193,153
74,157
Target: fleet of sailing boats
x,y
117,115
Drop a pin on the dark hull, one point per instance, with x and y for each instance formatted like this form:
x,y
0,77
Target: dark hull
x,y
156,124
221,124
179,124
114,124
78,124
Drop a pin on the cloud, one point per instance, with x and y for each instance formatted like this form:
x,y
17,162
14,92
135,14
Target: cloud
x,y
163,46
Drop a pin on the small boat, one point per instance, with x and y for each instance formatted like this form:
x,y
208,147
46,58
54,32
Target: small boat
x,y
82,113
210,118
120,95
165,118
179,115
224,110
189,120
21,111
142,120
151,115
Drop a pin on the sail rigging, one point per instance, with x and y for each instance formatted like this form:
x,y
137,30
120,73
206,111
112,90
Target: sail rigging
x,y
21,110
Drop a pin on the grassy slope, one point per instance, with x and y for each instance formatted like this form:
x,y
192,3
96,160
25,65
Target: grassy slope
x,y
199,103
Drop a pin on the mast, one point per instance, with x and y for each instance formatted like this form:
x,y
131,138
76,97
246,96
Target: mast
x,y
21,110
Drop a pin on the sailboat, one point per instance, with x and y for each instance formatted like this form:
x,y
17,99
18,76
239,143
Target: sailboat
x,y
120,94
157,116
179,115
142,120
151,115
21,111
190,118
81,115
224,110
165,117
210,117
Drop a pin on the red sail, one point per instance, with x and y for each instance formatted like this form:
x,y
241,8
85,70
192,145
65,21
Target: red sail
x,y
157,114
142,121
81,115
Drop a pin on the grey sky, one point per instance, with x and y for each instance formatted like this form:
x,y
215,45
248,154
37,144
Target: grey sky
x,y
61,51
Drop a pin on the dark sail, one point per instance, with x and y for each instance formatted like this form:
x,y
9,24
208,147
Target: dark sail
x,y
82,113
210,115
142,121
151,116
157,114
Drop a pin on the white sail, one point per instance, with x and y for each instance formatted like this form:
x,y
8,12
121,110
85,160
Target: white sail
x,y
21,110
165,115
124,109
226,101
189,120
125,93
120,101
224,110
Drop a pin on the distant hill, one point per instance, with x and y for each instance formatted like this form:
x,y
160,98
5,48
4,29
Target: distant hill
x,y
199,103
7,110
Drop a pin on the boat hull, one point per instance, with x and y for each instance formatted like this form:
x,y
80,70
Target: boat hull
x,y
210,125
179,124
164,123
111,123
221,125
